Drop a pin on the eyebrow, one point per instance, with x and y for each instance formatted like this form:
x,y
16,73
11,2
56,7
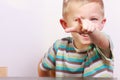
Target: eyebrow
x,y
94,15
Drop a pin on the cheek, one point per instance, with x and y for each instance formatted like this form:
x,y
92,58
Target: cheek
x,y
99,26
76,24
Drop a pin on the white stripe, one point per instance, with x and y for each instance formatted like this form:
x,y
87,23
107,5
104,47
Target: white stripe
x,y
69,64
42,68
102,74
70,54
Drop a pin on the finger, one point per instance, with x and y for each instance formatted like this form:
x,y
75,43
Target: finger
x,y
80,24
72,29
75,29
92,27
85,27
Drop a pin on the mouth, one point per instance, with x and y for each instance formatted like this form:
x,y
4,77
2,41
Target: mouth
x,y
84,35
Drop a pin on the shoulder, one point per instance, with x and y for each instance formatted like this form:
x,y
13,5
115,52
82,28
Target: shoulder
x,y
110,40
65,40
62,43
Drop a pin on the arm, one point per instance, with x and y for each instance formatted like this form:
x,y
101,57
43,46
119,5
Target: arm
x,y
101,41
47,70
96,36
42,73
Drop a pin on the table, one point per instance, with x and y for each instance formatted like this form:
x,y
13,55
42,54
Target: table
x,y
48,78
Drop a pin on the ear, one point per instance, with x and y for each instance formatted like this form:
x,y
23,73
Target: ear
x,y
103,23
63,23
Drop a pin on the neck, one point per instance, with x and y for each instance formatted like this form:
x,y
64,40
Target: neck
x,y
79,45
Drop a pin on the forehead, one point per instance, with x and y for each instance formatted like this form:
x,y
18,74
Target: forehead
x,y
75,4
68,3
84,7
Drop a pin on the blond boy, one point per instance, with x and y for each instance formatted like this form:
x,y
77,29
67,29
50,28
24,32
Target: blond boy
x,y
88,53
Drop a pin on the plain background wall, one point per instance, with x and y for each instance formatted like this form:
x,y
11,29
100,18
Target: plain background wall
x,y
29,27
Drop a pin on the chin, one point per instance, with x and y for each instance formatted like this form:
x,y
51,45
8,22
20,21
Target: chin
x,y
86,42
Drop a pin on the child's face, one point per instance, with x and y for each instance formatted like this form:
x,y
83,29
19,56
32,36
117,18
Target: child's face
x,y
90,12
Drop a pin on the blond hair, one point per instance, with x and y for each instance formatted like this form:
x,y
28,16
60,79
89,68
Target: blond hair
x,y
67,3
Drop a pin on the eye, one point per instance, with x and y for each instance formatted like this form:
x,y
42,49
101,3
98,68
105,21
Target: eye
x,y
76,19
94,19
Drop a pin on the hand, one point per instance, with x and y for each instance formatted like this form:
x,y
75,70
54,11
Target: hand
x,y
85,27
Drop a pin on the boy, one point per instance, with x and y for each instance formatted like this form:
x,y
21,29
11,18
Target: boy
x,y
88,53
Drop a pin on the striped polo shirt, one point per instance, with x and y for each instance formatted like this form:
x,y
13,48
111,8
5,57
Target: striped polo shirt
x,y
67,61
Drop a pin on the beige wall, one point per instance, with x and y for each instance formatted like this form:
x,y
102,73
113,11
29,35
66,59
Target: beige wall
x,y
29,27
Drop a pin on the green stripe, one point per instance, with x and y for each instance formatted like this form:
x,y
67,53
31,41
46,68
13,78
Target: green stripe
x,y
69,59
51,58
63,68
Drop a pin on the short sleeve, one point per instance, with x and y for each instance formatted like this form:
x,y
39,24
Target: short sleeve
x,y
110,49
48,61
